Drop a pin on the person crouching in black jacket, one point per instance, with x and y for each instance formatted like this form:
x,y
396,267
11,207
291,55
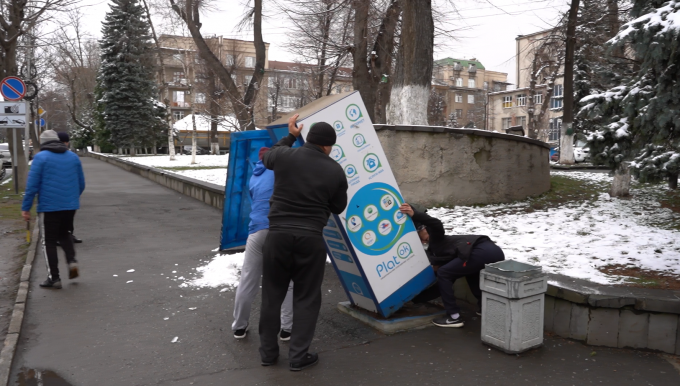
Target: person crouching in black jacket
x,y
452,258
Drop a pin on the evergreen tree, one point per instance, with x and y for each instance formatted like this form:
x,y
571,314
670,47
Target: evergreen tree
x,y
126,76
639,118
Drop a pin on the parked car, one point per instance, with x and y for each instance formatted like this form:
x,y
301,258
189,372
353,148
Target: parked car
x,y
5,154
581,154
199,150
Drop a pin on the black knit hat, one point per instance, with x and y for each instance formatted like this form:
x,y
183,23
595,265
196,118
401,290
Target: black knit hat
x,y
63,136
322,134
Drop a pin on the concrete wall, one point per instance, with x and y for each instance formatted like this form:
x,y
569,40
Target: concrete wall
x,y
437,166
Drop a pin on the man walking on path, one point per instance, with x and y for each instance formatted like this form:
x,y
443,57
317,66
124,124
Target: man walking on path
x,y
65,139
56,176
261,186
308,187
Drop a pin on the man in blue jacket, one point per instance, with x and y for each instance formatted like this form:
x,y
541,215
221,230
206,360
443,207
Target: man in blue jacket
x,y
261,186
56,176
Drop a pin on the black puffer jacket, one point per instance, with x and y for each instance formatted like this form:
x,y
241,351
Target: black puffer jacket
x,y
445,248
308,186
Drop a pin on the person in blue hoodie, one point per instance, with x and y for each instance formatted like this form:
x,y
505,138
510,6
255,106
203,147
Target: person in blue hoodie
x,y
57,178
261,187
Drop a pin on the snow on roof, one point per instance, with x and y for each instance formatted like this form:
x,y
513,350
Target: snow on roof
x,y
224,123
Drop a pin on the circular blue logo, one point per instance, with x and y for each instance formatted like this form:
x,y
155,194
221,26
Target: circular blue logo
x,y
374,221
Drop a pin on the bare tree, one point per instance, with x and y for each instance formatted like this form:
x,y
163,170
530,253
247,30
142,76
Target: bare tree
x,y
321,37
373,62
75,62
243,103
17,18
546,64
567,138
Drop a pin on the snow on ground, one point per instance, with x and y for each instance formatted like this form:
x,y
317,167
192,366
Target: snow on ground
x,y
223,271
579,237
574,239
214,176
163,161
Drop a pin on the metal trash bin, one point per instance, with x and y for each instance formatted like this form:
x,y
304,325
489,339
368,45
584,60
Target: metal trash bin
x,y
513,300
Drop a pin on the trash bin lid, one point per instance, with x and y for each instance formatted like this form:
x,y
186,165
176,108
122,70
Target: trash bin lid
x,y
511,268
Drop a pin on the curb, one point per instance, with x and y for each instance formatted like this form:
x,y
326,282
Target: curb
x,y
12,339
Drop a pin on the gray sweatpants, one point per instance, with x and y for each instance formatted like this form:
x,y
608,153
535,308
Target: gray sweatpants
x,y
249,285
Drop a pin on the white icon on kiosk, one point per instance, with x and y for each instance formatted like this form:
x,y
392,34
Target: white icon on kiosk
x,y
371,212
368,238
399,217
384,227
387,202
354,223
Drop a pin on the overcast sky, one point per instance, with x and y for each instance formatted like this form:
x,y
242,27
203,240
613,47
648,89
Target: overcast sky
x,y
487,27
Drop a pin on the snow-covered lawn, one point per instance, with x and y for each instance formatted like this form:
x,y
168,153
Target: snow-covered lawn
x,y
163,161
214,176
576,238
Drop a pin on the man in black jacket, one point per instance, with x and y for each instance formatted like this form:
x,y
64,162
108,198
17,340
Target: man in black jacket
x,y
308,187
452,257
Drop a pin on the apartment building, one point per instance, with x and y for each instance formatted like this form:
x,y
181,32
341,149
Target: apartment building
x,y
465,84
536,53
292,85
189,81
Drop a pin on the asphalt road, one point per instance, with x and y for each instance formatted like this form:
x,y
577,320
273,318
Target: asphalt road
x,y
101,330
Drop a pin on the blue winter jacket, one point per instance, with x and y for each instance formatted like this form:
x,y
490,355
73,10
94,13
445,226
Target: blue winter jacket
x,y
261,188
56,176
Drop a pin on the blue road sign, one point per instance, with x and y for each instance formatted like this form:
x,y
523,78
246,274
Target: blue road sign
x,y
41,122
12,88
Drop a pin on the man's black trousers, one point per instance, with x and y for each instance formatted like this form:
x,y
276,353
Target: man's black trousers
x,y
54,227
300,256
486,252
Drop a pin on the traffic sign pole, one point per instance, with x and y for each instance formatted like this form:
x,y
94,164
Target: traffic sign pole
x,y
27,135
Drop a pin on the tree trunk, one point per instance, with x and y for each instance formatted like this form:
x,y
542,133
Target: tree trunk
x,y
361,79
413,75
621,184
214,113
567,137
673,181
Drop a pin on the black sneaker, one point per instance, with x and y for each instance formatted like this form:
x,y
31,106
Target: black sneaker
x,y
241,333
310,360
448,321
284,335
48,283
75,239
271,362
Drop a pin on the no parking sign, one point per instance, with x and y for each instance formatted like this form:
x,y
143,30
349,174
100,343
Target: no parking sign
x,y
12,88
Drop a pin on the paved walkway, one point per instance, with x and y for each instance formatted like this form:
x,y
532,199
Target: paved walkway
x,y
100,330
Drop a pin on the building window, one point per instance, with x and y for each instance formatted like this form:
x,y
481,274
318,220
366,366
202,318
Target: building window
x,y
471,99
292,83
521,100
178,114
486,85
459,82
459,98
521,121
247,78
289,102
557,97
471,83
470,114
459,113
348,88
507,102
230,60
178,77
538,99
177,57
554,129
233,77
505,123
250,62
200,97
178,96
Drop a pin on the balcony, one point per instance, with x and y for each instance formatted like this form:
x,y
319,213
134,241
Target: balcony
x,y
183,105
